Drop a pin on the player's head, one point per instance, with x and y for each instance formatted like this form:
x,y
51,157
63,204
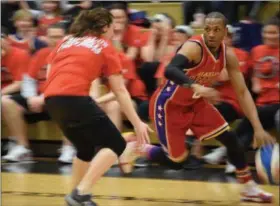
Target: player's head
x,y
55,33
95,22
215,29
271,33
4,42
120,14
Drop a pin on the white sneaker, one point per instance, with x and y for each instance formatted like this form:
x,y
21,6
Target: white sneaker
x,y
230,168
67,154
252,193
18,153
216,156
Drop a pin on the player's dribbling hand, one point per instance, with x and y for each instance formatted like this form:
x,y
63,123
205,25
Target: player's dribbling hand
x,y
261,138
212,95
142,132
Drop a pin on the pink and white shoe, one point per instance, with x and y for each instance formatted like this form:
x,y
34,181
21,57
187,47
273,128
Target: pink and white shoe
x,y
128,158
252,193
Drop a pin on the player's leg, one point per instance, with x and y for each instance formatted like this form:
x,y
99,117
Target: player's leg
x,y
216,127
230,115
88,128
277,121
13,109
170,131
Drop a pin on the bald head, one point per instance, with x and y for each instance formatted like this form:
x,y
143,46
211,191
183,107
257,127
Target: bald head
x,y
217,15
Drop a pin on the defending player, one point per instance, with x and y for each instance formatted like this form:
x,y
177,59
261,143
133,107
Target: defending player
x,y
77,61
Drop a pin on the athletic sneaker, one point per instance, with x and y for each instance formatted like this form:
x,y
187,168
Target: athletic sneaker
x,y
252,193
216,156
74,199
18,153
67,154
128,158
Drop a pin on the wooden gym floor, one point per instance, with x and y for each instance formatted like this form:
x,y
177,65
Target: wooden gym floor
x,y
45,182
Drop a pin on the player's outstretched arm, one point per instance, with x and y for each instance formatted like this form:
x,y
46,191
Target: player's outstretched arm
x,y
245,99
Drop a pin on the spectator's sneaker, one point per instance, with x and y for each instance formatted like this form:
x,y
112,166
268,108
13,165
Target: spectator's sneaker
x,y
216,156
128,158
74,199
230,168
252,193
18,153
67,154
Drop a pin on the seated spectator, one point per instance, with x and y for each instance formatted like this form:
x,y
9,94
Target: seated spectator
x,y
25,38
19,109
130,40
265,81
181,34
14,63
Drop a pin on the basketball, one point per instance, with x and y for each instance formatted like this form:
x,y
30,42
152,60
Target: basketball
x,y
267,164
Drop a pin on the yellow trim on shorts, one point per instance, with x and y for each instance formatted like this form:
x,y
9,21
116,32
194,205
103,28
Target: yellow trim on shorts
x,y
211,136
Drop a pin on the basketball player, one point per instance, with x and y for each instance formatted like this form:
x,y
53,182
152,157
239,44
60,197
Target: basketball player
x,y
73,65
183,103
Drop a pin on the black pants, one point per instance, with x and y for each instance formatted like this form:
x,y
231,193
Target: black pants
x,y
266,114
85,125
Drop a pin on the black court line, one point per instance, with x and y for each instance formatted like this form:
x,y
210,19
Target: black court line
x,y
130,198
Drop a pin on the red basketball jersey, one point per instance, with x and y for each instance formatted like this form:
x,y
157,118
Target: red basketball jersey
x,y
205,73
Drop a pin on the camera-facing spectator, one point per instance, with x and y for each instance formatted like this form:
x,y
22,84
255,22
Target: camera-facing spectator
x,y
25,36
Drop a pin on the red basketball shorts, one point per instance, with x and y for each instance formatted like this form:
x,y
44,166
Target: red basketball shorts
x,y
172,121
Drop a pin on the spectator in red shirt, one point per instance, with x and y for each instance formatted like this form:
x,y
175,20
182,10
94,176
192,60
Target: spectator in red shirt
x,y
27,107
14,63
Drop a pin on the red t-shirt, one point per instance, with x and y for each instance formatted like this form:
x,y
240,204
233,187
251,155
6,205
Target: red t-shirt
x,y
135,36
13,65
38,67
44,22
21,44
265,63
76,62
225,88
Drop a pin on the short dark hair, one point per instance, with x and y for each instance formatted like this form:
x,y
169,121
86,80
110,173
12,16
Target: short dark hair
x,y
120,6
273,21
91,22
217,15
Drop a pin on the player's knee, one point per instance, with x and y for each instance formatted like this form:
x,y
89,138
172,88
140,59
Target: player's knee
x,y
118,147
85,155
